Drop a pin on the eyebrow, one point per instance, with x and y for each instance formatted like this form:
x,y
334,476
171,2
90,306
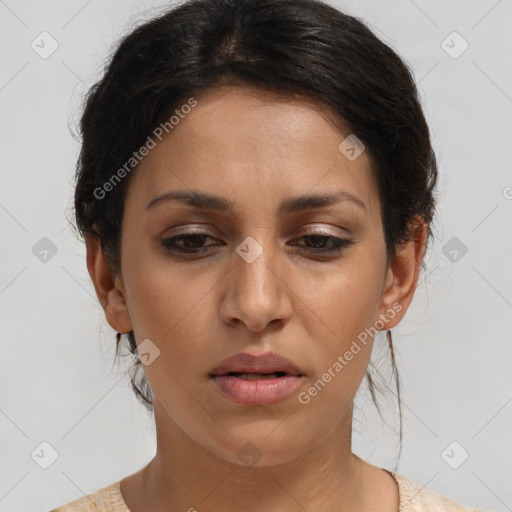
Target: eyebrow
x,y
290,205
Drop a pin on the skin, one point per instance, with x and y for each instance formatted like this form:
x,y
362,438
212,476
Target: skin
x,y
255,150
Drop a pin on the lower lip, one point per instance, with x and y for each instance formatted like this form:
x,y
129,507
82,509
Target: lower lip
x,y
257,392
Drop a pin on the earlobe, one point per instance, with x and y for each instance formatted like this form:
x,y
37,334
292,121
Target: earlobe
x,y
109,289
402,275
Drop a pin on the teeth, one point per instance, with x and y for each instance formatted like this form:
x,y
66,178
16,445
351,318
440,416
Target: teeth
x,y
256,376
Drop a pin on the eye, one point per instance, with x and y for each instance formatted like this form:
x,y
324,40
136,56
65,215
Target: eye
x,y
319,239
193,243
187,243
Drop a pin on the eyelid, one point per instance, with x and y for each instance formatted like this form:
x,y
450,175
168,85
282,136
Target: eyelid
x,y
188,229
308,229
318,229
327,230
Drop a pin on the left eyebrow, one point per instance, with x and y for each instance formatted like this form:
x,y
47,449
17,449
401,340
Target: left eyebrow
x,y
308,202
290,205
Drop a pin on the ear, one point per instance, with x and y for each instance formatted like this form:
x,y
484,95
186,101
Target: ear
x,y
109,288
402,276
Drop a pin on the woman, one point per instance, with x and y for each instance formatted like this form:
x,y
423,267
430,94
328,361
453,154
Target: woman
x,y
256,191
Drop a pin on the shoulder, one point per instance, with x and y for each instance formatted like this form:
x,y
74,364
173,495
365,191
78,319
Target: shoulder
x,y
414,498
106,499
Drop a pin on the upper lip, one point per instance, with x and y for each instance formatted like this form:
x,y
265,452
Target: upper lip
x,y
268,362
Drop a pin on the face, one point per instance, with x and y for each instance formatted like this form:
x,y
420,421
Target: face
x,y
203,283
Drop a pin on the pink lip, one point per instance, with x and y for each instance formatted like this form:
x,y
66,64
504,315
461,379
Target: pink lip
x,y
257,392
260,391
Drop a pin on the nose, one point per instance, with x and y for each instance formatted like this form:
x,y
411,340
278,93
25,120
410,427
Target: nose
x,y
256,292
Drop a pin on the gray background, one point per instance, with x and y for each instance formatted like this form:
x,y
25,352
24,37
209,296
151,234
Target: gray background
x,y
57,380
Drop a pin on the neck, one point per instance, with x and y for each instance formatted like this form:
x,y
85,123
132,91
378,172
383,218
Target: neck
x,y
183,475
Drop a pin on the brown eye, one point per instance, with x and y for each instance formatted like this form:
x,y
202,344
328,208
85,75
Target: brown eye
x,y
193,243
319,243
187,243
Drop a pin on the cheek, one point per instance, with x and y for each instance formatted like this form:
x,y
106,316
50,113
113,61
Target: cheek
x,y
171,308
158,293
348,308
347,304
350,298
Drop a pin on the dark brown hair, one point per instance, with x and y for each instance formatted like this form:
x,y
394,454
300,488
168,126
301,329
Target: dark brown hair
x,y
291,47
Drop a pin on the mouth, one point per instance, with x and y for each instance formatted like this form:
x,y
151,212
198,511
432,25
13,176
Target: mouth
x,y
255,376
256,380
249,366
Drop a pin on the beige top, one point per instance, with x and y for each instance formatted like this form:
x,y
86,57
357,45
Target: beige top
x,y
412,499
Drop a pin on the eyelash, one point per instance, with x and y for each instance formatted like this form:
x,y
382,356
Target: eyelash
x,y
336,247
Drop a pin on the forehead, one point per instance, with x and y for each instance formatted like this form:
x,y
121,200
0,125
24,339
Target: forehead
x,y
250,144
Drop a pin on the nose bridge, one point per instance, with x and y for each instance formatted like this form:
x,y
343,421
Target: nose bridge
x,y
253,264
256,294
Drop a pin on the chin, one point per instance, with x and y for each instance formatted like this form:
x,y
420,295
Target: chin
x,y
251,448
